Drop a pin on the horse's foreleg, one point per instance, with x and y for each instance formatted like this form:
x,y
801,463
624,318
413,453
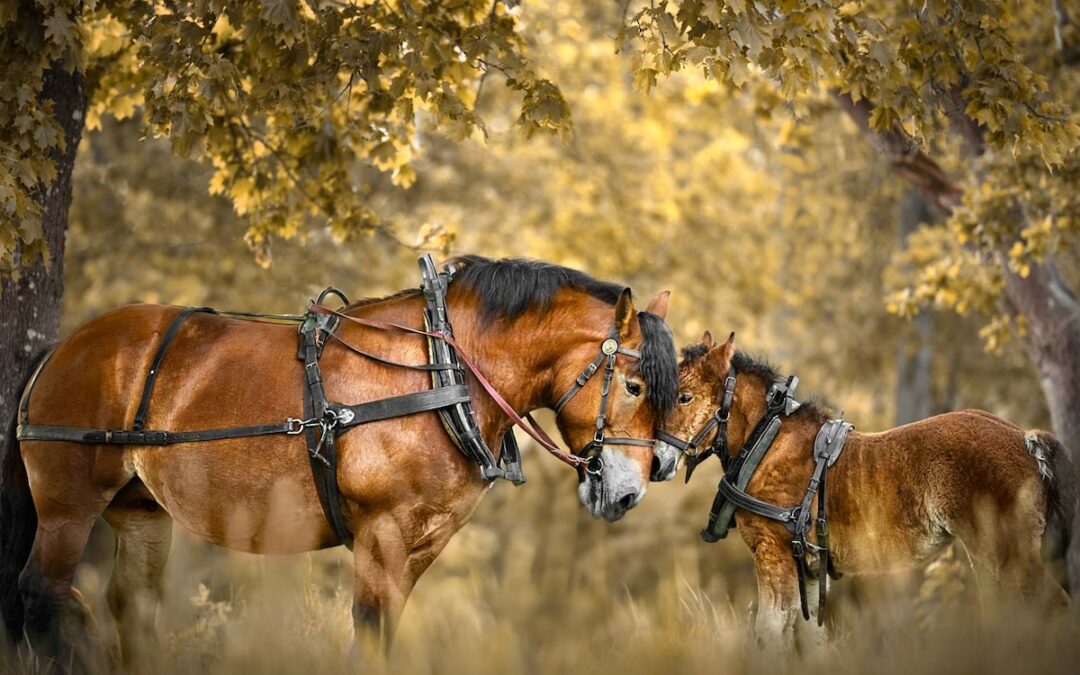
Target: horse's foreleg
x,y
381,584
778,596
143,536
813,639
386,572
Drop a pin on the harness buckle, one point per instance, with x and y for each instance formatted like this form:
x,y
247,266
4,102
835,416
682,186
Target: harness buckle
x,y
295,426
822,527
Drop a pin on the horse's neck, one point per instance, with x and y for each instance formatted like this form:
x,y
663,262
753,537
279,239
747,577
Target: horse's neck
x,y
523,357
519,357
748,406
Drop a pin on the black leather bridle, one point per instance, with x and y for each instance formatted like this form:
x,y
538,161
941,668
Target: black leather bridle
x,y
718,422
609,351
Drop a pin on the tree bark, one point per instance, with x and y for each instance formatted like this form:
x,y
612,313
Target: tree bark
x,y
1042,299
1052,342
914,398
30,303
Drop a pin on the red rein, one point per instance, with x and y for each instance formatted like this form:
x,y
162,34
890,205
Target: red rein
x,y
530,427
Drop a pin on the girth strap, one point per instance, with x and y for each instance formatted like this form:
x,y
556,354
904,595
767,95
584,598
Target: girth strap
x,y
321,439
364,413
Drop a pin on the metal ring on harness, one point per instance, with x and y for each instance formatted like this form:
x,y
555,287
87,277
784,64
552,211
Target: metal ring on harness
x,y
589,465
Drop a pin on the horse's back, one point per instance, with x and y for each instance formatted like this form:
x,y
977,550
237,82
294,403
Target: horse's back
x,y
973,447
94,377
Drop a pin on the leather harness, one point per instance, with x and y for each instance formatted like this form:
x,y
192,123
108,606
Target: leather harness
x,y
738,470
324,421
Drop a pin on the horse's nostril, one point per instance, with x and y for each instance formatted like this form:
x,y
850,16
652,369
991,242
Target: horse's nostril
x,y
627,501
655,468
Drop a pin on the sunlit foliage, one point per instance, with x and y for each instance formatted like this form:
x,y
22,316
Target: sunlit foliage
x,y
985,88
295,104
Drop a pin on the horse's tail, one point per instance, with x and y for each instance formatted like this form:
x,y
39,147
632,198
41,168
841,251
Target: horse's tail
x,y
1057,472
18,523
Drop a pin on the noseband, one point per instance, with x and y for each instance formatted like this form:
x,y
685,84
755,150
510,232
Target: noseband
x,y
717,421
609,351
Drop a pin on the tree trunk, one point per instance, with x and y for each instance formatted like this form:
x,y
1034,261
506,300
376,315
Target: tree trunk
x,y
913,367
30,304
1052,341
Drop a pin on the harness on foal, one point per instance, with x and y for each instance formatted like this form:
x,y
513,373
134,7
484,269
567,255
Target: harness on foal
x,y
324,421
739,469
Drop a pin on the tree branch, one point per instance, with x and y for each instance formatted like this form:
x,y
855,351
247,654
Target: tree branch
x,y
905,156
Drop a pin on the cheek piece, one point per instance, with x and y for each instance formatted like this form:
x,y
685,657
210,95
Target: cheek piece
x,y
718,421
609,351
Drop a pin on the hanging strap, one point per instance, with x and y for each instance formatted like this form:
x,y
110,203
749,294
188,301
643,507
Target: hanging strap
x,y
151,377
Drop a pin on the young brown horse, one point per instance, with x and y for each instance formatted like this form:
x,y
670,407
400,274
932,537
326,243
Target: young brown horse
x,y
529,327
895,499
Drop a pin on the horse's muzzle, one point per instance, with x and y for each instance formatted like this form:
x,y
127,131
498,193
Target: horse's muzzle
x,y
665,462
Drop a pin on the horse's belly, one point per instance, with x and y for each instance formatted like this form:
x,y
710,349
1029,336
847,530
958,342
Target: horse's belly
x,y
248,496
884,547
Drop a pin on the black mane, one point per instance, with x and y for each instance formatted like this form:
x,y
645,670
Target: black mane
x,y
510,286
760,367
658,365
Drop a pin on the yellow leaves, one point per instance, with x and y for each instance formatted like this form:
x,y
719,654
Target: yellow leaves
x,y
883,118
61,30
244,194
645,79
105,37
403,176
285,17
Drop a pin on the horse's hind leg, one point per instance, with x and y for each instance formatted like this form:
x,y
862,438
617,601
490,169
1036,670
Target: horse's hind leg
x,y
143,536
65,519
1004,545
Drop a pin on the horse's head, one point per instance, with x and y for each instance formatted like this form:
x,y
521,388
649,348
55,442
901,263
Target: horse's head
x,y
614,403
690,428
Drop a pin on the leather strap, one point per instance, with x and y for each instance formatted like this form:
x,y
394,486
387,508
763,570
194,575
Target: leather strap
x,y
718,421
322,448
533,430
580,381
373,411
53,432
151,377
24,401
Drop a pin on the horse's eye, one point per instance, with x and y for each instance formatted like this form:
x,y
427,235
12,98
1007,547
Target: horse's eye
x,y
633,388
685,398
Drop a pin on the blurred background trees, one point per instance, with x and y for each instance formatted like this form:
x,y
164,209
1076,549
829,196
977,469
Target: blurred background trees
x,y
877,195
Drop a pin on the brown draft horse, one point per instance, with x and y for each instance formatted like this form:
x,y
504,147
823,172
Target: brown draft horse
x,y
530,327
896,499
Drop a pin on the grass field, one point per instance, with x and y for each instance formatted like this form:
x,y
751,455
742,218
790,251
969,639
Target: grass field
x,y
534,586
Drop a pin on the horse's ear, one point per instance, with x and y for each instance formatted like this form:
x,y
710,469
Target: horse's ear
x,y
718,360
624,313
707,341
659,304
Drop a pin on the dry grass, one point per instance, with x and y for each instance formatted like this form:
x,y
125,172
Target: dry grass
x,y
533,586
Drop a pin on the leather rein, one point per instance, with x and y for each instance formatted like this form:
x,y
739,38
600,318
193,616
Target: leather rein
x,y
588,457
